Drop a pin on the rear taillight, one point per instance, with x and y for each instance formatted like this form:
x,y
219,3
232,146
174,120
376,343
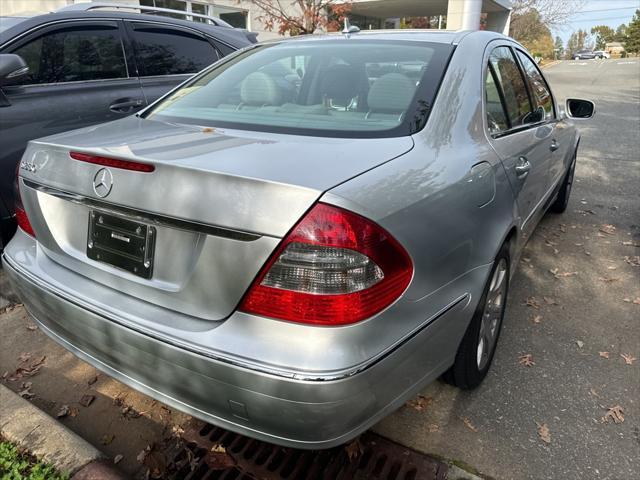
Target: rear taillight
x,y
21,215
334,268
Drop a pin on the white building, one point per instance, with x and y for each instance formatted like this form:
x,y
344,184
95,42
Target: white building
x,y
367,14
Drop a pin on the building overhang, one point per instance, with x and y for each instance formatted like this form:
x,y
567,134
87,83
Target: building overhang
x,y
417,8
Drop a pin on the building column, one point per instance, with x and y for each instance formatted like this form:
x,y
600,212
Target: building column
x,y
464,14
499,21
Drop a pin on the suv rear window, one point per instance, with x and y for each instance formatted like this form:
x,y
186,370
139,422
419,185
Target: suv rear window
x,y
338,87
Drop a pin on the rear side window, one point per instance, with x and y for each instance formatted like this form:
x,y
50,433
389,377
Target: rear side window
x,y
72,55
543,102
511,84
496,115
164,51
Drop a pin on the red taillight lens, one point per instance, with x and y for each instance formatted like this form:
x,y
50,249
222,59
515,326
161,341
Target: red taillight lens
x,y
334,268
21,215
113,162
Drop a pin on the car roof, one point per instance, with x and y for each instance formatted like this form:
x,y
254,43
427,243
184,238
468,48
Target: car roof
x,y
230,35
452,37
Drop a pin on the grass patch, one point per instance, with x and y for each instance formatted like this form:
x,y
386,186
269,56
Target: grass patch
x,y
16,465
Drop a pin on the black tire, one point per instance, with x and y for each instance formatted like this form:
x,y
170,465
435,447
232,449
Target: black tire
x,y
562,200
468,371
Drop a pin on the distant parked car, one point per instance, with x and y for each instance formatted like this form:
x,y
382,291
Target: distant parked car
x,y
601,54
88,66
296,267
584,55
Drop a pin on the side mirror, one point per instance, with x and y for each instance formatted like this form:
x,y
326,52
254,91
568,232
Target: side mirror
x,y
580,109
11,67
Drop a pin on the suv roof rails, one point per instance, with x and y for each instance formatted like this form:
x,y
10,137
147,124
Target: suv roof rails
x,y
87,6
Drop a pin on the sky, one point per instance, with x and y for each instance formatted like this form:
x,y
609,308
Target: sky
x,y
599,12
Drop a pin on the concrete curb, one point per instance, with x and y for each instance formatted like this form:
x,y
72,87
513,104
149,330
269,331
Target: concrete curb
x,y
30,428
457,473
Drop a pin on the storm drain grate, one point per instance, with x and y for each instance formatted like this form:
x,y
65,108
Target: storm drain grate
x,y
249,459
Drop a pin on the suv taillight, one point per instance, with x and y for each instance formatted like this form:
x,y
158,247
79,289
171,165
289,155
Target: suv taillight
x,y
21,215
334,268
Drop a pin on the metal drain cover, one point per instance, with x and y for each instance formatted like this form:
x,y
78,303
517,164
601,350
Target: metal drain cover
x,y
250,459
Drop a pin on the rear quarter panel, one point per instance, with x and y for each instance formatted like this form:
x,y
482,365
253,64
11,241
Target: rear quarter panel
x,y
451,219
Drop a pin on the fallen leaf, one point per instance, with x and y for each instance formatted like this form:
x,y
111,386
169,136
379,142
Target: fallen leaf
x,y
354,449
580,343
208,130
26,390
433,428
117,459
544,433
636,301
556,273
31,327
107,439
218,459
28,370
628,358
420,403
92,380
634,261
609,279
604,354
469,425
24,357
614,413
608,229
527,360
63,412
87,400
537,319
550,301
143,454
593,392
532,302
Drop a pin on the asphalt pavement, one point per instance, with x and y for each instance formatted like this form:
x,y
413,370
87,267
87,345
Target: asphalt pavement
x,y
571,319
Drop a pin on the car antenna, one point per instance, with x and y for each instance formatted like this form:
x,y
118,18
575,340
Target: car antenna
x,y
348,28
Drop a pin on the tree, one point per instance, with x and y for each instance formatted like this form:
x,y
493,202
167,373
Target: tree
x,y
302,17
527,26
578,41
559,47
621,34
632,43
603,35
551,13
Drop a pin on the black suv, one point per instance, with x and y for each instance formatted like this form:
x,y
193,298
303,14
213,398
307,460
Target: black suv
x,y
88,67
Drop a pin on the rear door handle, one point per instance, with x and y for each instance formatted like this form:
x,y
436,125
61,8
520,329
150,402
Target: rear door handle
x,y
554,146
523,166
124,105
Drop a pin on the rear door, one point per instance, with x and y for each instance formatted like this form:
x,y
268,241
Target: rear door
x,y
519,132
78,76
167,55
543,101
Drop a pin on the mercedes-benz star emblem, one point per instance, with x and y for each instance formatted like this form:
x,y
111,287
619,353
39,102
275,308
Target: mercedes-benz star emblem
x,y
102,182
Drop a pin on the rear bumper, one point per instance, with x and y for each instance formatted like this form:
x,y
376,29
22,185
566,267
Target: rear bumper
x,y
271,407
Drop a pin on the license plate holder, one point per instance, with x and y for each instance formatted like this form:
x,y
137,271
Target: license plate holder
x,y
121,243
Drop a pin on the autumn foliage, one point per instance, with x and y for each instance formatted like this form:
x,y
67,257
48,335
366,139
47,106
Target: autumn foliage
x,y
302,17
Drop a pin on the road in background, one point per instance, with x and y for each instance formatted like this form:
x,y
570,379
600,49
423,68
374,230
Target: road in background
x,y
589,310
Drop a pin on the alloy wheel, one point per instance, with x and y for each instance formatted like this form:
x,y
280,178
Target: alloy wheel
x,y
492,314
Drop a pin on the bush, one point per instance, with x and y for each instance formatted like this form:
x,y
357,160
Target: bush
x,y
18,466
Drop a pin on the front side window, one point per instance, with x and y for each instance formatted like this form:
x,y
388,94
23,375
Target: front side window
x,y
543,101
72,55
511,84
343,87
165,51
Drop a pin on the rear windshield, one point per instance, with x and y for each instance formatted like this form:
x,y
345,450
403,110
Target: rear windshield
x,y
345,88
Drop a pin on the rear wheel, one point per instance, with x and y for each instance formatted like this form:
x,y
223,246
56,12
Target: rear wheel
x,y
562,201
478,345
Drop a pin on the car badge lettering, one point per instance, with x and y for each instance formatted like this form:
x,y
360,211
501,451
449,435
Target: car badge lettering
x,y
29,166
103,182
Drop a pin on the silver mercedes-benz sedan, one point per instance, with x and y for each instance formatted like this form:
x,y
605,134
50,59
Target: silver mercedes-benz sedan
x,y
300,238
